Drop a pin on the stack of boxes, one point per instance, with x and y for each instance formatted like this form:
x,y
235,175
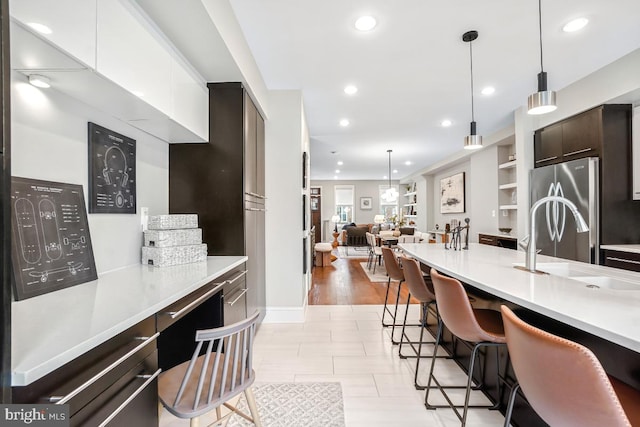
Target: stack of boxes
x,y
173,240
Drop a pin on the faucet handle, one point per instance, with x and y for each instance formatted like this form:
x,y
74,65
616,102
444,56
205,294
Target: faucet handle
x,y
524,243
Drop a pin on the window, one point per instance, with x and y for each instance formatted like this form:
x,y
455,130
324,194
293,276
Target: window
x,y
344,202
388,208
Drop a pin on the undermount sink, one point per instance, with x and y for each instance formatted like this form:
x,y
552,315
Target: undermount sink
x,y
563,269
596,282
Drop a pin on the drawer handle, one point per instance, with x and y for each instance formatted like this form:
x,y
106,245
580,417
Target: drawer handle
x,y
149,379
484,239
242,273
547,159
573,153
259,196
255,209
194,303
240,294
629,261
60,400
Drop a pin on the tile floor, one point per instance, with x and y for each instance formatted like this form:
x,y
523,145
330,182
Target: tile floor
x,y
347,344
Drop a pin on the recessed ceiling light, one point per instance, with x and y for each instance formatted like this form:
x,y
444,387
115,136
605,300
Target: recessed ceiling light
x,y
385,177
575,25
395,171
489,90
446,123
408,163
337,170
41,28
335,177
344,122
350,90
39,81
366,23
340,163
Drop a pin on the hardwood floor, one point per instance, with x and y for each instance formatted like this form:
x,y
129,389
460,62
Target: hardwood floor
x,y
345,283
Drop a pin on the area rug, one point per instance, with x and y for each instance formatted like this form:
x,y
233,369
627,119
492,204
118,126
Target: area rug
x,y
353,251
295,404
380,276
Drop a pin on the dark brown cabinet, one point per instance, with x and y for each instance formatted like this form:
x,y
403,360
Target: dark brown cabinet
x,y
501,241
582,135
547,145
620,259
223,182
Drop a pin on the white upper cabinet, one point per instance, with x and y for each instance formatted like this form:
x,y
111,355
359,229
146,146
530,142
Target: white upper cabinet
x,y
190,101
72,24
129,55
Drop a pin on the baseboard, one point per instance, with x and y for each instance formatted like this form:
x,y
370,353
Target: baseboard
x,y
285,314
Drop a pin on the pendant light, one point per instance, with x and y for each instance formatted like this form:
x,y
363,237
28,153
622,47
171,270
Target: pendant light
x,y
543,101
471,141
390,195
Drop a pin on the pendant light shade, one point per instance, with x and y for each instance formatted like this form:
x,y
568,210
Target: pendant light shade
x,y
471,141
544,100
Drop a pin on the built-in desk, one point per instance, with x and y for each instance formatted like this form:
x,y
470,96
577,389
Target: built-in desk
x,y
95,343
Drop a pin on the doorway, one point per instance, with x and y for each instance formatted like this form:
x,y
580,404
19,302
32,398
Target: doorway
x,y
316,212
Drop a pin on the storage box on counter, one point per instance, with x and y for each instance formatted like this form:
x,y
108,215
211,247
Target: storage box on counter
x,y
172,222
174,255
166,238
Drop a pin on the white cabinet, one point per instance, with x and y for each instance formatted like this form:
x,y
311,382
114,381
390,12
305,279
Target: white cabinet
x,y
636,153
130,56
72,25
190,101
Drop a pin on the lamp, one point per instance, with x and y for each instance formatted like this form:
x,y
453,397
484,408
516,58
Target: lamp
x,y
335,219
391,194
471,141
543,101
378,219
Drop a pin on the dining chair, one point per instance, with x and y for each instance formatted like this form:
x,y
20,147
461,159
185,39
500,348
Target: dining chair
x,y
220,369
564,382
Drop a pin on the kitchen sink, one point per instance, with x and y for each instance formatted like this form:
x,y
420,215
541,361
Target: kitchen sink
x,y
563,269
604,282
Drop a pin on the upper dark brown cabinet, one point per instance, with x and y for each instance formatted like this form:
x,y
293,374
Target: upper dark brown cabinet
x,y
583,135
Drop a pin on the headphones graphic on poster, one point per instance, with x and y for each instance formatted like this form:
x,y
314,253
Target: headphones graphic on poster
x,y
107,172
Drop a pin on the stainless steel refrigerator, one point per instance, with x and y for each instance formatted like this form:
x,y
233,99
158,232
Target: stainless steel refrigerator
x,y
556,230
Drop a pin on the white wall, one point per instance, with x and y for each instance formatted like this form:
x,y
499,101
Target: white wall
x,y
284,145
49,142
482,192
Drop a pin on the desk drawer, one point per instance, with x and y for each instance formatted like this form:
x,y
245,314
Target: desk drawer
x,y
487,239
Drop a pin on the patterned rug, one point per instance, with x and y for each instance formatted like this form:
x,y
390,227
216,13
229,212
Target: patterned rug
x,y
380,276
353,251
295,404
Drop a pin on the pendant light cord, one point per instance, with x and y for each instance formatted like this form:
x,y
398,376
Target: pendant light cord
x,y
389,151
471,61
540,30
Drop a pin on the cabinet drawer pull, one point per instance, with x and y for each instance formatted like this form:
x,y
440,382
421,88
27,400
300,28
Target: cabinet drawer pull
x,y
59,400
484,239
573,153
259,196
255,209
629,261
149,379
547,159
195,302
235,300
242,273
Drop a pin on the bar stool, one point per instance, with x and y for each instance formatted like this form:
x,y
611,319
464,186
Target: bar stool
x,y
394,272
374,252
422,290
564,382
481,327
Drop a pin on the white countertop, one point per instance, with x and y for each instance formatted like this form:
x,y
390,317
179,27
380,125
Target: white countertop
x,y
609,314
622,248
50,330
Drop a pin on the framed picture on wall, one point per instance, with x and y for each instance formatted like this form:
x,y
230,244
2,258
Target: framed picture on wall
x,y
452,194
366,203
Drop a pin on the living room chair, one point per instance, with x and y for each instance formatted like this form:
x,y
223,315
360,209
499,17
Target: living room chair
x,y
375,251
221,368
564,382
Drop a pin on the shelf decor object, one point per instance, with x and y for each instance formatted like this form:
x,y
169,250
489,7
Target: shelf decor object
x,y
471,141
543,101
452,194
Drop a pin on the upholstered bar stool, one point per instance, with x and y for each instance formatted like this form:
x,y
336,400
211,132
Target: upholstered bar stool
x,y
395,273
564,382
480,327
375,252
422,290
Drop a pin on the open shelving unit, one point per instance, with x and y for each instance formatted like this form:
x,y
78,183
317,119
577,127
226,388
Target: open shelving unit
x,y
507,186
409,208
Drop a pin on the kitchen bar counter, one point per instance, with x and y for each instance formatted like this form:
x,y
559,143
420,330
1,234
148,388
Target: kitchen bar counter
x,y
606,313
52,329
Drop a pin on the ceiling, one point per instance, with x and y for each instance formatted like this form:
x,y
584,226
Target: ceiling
x,y
413,70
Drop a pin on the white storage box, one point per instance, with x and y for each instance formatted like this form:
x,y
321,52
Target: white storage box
x,y
166,238
174,255
172,222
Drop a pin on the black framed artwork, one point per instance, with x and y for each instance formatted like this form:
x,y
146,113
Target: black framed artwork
x,y
112,171
51,244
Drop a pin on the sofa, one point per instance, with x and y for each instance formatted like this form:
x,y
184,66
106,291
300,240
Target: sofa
x,y
355,235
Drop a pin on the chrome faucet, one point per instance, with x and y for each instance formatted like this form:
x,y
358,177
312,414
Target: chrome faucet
x,y
530,246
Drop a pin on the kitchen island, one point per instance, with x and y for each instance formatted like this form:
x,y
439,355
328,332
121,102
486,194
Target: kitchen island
x,y
594,305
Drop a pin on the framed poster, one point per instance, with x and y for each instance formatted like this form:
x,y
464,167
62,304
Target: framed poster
x,y
366,203
112,171
304,169
51,245
452,194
